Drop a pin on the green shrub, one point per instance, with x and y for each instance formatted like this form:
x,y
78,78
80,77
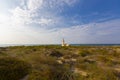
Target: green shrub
x,y
55,53
58,72
102,74
38,75
13,69
84,53
62,73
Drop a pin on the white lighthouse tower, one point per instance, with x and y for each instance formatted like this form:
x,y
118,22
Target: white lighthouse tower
x,y
63,43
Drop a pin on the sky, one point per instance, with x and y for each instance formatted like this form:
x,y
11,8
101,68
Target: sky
x,y
49,21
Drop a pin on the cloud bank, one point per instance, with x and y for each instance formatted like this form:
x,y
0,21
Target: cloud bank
x,y
41,22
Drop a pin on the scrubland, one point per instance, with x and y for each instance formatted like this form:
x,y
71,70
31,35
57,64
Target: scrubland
x,y
60,63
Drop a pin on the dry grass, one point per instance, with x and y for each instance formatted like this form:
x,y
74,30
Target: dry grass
x,y
95,62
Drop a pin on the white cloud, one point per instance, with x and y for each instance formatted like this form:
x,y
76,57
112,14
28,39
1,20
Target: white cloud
x,y
4,18
35,12
17,29
20,16
34,4
44,21
105,32
70,2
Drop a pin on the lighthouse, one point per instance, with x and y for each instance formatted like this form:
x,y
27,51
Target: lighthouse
x,y
63,43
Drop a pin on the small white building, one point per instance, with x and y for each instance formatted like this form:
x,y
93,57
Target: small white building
x,y
63,43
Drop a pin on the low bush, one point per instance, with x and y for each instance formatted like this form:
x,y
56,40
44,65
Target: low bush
x,y
13,69
55,53
62,73
38,75
84,53
58,72
102,74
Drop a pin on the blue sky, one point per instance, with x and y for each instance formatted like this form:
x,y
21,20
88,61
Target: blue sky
x,y
48,21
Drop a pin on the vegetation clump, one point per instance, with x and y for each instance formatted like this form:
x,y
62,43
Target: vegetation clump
x,y
84,53
13,69
55,53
